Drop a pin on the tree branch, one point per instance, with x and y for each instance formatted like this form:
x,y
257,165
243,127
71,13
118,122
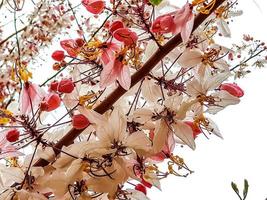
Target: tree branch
x,y
139,75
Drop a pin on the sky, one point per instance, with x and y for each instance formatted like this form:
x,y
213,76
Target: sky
x,y
242,152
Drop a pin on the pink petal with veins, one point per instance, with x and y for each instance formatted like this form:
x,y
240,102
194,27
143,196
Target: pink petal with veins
x,y
94,6
31,96
70,46
126,36
184,21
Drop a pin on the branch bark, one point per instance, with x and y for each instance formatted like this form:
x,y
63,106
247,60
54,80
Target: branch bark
x,y
139,75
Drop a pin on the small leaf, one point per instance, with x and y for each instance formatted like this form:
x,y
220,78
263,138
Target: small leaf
x,y
245,191
235,188
155,2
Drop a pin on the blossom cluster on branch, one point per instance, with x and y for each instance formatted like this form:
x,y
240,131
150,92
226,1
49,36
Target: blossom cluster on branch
x,y
139,80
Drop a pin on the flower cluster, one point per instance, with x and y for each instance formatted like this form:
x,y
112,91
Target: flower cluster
x,y
141,79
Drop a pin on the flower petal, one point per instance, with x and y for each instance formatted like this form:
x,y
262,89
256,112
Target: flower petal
x,y
185,133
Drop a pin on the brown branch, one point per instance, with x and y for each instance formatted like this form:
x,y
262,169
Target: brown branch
x,y
118,92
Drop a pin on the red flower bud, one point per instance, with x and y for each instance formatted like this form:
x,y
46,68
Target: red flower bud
x,y
80,121
140,188
53,102
195,128
65,86
233,89
58,55
53,86
115,25
12,135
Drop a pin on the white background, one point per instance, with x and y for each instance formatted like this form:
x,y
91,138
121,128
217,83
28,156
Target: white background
x,y
242,153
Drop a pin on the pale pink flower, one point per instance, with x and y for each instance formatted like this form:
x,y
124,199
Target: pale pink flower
x,y
31,95
203,88
72,47
116,70
180,21
108,50
184,21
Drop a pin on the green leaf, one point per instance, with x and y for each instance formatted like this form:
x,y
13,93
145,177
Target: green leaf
x,y
155,2
245,190
235,188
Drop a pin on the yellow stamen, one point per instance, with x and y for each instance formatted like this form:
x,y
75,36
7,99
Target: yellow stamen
x,y
202,7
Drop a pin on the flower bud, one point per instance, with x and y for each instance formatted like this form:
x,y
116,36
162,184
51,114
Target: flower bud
x,y
115,25
79,121
53,102
58,55
12,135
53,86
65,86
233,89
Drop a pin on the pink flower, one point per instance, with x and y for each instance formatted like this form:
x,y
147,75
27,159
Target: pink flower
x,y
71,46
108,52
31,95
163,24
94,6
116,70
167,148
126,36
180,21
184,21
233,89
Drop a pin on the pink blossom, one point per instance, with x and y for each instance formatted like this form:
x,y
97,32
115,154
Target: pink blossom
x,y
94,6
71,46
31,95
180,21
184,21
167,148
108,52
116,70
